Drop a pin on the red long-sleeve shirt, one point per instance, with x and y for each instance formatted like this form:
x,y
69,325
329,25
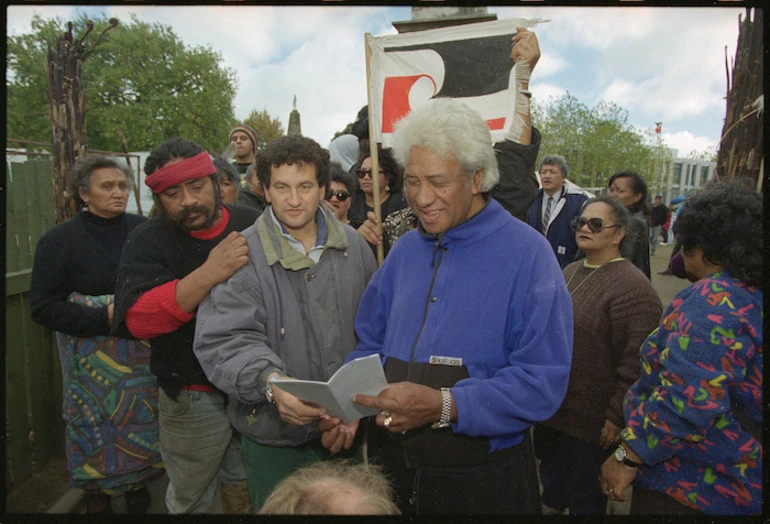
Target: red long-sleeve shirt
x,y
157,312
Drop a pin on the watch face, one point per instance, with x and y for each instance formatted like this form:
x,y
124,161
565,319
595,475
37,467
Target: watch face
x,y
620,453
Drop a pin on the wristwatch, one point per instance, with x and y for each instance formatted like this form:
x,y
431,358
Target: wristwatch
x,y
269,390
446,410
622,456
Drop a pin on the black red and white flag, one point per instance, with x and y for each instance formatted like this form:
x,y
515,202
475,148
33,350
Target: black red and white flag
x,y
469,62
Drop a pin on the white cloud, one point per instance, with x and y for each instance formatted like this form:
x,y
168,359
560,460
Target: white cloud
x,y
543,92
660,64
549,64
675,69
685,143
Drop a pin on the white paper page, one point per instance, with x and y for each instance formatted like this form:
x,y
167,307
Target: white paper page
x,y
364,375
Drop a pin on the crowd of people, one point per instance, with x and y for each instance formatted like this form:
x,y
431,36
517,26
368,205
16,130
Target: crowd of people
x,y
531,367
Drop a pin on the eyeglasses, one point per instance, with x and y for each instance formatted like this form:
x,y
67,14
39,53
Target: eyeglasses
x,y
595,225
341,195
363,173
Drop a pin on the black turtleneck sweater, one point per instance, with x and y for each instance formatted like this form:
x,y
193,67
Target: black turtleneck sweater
x,y
156,253
81,255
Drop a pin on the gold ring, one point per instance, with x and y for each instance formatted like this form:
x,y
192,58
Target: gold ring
x,y
387,421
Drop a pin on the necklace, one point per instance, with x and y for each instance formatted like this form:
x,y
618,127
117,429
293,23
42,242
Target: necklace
x,y
585,264
582,282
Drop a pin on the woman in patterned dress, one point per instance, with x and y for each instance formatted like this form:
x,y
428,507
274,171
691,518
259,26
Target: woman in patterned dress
x,y
692,441
110,396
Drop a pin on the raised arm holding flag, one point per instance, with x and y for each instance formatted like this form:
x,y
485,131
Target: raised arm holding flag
x,y
517,143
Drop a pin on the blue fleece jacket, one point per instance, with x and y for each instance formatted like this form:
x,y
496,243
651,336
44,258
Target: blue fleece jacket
x,y
491,293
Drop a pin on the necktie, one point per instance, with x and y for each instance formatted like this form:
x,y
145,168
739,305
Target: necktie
x,y
547,215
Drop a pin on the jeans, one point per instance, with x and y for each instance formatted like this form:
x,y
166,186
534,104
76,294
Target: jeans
x,y
654,237
569,472
198,446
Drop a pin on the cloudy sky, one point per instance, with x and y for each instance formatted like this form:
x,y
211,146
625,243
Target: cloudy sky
x,y
660,64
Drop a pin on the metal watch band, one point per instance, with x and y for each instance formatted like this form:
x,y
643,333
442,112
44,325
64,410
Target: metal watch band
x,y
446,410
269,390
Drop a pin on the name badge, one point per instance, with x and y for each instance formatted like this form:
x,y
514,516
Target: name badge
x,y
561,250
446,361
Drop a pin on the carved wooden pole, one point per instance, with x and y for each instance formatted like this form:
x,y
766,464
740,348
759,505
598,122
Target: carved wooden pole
x,y
740,149
66,106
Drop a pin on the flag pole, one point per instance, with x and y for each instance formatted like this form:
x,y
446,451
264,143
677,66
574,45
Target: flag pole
x,y
373,143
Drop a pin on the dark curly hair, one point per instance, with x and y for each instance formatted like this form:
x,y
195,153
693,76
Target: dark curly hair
x,y
725,221
337,174
388,164
168,150
293,149
172,148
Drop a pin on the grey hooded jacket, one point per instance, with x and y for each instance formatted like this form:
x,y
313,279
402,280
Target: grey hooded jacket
x,y
282,312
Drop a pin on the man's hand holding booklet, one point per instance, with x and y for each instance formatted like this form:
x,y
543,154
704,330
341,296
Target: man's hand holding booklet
x,y
362,375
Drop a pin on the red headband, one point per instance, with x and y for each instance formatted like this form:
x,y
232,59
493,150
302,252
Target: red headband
x,y
196,166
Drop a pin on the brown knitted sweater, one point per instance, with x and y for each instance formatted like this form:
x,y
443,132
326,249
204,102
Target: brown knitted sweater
x,y
614,310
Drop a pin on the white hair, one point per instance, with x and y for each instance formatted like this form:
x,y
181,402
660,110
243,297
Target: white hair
x,y
452,130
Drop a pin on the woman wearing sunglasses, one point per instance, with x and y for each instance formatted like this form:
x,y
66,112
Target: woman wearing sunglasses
x,y
341,186
391,196
615,308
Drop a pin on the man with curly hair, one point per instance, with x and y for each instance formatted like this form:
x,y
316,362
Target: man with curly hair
x,y
288,312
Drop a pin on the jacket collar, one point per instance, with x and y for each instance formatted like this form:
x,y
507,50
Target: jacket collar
x,y
491,217
277,248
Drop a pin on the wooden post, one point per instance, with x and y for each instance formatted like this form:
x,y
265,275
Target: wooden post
x,y
66,108
740,148
137,196
373,146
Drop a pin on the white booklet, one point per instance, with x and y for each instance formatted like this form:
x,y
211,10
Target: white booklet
x,y
362,375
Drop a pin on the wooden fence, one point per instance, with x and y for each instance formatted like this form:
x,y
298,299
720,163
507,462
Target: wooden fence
x,y
34,430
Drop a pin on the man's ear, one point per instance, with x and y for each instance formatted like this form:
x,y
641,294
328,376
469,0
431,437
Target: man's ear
x,y
476,180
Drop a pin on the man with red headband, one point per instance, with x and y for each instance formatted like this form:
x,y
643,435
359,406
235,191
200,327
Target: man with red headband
x,y
168,266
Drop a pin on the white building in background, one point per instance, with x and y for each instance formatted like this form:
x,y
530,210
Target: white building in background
x,y
687,176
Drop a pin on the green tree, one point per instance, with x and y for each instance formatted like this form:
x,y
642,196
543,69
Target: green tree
x,y
141,79
267,127
596,142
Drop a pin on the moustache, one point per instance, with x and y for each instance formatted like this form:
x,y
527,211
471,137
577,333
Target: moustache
x,y
182,216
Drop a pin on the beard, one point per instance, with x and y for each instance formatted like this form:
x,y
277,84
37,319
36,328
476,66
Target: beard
x,y
181,218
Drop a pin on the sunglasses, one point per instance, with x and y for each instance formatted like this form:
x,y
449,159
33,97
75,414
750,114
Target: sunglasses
x,y
341,195
363,173
595,225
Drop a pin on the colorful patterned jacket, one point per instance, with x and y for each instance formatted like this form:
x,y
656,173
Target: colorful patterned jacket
x,y
701,366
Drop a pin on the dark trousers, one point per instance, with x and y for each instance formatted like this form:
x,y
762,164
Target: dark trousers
x,y
646,502
569,472
505,485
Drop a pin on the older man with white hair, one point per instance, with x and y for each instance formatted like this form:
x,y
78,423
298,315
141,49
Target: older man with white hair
x,y
473,322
